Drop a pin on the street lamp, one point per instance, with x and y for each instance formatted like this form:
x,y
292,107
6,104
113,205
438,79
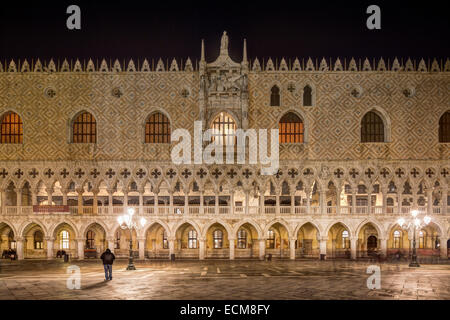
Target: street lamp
x,y
415,222
127,221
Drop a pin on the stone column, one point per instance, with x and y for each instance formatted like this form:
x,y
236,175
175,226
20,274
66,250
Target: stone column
x,y
50,245
141,201
49,195
231,240
308,199
33,197
216,201
430,201
369,199
202,209
262,248
399,201
353,247
171,210
156,202
186,201
338,199
444,248
383,247
384,191
322,201
125,199
3,201
292,248
201,248
292,203
94,201
111,245
444,200
19,199
354,190
171,246
20,248
80,200
80,243
232,202
323,245
277,203
64,192
246,201
141,248
110,201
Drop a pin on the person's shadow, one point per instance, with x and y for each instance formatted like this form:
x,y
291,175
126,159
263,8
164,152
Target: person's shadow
x,y
95,285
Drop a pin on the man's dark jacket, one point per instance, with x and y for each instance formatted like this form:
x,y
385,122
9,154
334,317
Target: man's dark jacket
x,y
108,257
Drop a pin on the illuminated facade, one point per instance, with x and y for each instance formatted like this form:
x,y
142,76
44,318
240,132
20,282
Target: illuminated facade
x,y
361,144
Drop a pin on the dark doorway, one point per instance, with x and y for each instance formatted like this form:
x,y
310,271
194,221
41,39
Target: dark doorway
x,y
372,243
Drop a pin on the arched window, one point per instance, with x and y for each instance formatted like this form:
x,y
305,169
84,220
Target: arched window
x,y
372,128
157,129
291,129
65,243
38,240
84,128
275,96
271,239
218,239
11,128
192,239
444,128
226,128
242,239
397,242
307,96
345,240
165,243
90,240
117,240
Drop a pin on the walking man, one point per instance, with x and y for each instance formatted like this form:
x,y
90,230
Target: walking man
x,y
108,260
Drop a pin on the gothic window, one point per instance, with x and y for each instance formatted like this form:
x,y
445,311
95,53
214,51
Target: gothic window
x,y
271,239
90,240
84,129
226,129
307,96
165,243
11,128
157,129
390,202
242,239
397,236
117,240
421,240
192,239
64,235
291,129
345,240
372,128
275,96
218,239
444,128
38,240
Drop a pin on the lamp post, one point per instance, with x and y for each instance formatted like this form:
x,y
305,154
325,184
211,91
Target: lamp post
x,y
127,221
415,222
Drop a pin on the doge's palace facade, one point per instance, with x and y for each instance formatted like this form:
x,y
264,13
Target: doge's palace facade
x,y
362,143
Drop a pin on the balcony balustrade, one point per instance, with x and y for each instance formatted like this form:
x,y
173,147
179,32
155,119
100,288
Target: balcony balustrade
x,y
236,210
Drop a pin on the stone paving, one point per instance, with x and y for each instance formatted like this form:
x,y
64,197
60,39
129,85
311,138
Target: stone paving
x,y
225,280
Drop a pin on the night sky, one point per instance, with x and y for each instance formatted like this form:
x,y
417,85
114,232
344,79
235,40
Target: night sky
x,y
167,29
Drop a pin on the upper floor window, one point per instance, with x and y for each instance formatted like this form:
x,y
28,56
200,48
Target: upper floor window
x,y
444,127
225,126
372,128
275,96
307,96
11,128
157,129
291,129
84,129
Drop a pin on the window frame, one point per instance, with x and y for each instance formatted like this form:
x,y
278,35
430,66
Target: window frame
x,y
9,127
157,131
91,123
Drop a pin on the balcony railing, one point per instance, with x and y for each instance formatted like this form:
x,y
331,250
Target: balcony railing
x,y
236,210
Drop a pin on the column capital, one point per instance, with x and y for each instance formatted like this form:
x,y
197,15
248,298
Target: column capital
x,y
140,239
49,190
49,238
19,238
80,239
95,191
80,191
323,239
